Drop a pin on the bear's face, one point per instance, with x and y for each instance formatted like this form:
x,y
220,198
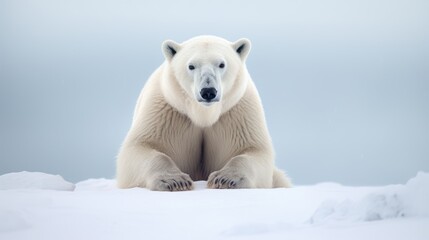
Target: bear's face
x,y
206,68
205,71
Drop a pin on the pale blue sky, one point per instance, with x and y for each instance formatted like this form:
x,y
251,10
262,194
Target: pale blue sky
x,y
345,84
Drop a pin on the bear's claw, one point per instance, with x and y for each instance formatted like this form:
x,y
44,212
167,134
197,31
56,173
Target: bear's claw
x,y
227,179
172,182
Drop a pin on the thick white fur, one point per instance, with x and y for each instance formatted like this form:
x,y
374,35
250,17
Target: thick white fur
x,y
175,139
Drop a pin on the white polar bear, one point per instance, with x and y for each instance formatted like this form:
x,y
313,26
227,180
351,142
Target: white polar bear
x,y
199,117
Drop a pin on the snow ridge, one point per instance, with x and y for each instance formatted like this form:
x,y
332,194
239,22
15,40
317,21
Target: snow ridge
x,y
408,200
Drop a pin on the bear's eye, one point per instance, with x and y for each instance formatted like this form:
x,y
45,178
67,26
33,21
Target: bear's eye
x,y
191,67
222,65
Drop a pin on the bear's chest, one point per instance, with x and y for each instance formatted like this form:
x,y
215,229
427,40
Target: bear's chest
x,y
195,150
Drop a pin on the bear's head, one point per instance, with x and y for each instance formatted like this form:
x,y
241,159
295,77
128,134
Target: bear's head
x,y
205,76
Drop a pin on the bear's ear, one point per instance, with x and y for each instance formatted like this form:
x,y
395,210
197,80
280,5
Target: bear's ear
x,y
170,48
242,47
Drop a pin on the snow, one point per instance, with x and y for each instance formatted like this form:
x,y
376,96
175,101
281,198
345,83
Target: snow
x,y
34,208
34,180
411,200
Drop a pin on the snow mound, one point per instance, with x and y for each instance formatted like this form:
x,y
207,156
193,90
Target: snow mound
x,y
34,180
100,184
415,195
409,200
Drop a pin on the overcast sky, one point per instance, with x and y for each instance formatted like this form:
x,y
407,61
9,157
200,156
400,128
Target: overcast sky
x,y
345,84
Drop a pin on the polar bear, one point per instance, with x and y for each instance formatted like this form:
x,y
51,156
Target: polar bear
x,y
199,117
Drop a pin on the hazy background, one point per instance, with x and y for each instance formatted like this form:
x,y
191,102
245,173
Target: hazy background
x,y
345,84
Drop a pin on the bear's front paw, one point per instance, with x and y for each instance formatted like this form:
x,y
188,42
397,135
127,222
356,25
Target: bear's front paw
x,y
227,178
171,182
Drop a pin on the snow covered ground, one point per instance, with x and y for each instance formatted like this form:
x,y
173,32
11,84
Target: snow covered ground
x,y
43,206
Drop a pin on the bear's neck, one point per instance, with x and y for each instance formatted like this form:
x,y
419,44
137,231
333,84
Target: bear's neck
x,y
203,116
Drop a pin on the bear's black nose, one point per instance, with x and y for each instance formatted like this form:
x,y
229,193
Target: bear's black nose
x,y
208,93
